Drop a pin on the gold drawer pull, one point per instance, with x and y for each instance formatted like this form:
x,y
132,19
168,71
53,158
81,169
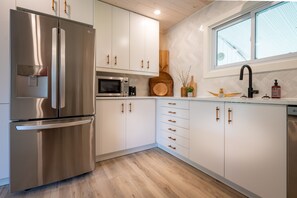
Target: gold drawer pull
x,y
172,112
217,114
173,121
229,116
172,103
65,7
172,147
107,59
170,129
174,139
53,5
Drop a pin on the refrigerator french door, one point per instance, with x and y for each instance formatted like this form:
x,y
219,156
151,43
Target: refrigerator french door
x,y
52,100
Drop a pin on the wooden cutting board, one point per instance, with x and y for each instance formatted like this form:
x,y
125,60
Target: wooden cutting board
x,y
161,85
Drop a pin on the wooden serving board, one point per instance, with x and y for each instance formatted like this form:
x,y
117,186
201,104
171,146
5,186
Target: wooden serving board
x,y
161,86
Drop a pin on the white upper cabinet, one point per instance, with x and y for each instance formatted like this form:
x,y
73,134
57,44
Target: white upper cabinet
x,y
77,10
112,36
44,6
144,44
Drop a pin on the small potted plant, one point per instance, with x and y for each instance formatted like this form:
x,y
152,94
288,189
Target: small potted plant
x,y
190,91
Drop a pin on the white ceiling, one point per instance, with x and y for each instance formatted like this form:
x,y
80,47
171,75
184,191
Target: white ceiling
x,y
172,11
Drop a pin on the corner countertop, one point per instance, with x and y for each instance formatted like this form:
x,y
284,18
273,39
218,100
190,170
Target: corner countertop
x,y
282,101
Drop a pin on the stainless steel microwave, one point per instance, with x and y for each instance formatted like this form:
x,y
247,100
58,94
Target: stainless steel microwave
x,y
112,86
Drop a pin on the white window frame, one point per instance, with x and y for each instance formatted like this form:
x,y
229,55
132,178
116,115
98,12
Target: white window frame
x,y
274,63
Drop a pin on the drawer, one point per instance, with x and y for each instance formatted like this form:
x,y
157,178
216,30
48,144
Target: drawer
x,y
180,113
181,104
180,122
174,129
174,147
174,139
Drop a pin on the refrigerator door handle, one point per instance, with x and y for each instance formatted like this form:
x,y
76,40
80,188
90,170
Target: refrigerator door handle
x,y
54,67
52,125
62,68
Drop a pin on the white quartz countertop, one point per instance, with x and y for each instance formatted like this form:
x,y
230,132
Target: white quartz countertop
x,y
282,101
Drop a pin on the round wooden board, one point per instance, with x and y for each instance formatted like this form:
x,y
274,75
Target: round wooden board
x,y
160,89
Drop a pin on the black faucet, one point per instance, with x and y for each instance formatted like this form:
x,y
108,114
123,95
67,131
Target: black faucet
x,y
250,89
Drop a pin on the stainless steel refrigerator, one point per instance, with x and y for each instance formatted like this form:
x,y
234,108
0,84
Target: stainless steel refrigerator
x,y
52,100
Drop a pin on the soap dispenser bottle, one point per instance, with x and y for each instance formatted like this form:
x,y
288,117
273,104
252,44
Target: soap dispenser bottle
x,y
276,90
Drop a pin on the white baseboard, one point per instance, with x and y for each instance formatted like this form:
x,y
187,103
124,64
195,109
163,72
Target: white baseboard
x,y
4,181
124,152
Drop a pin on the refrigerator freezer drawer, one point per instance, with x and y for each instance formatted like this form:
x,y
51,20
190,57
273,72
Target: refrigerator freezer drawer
x,y
47,151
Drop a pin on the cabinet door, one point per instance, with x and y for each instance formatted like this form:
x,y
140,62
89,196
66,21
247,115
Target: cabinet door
x,y
207,135
5,50
4,141
110,126
120,38
137,42
140,126
77,10
255,148
102,24
152,45
44,6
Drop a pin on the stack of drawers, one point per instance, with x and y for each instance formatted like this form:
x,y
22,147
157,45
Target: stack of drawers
x,y
173,124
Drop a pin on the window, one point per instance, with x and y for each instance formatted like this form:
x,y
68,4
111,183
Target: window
x,y
231,46
276,30
258,35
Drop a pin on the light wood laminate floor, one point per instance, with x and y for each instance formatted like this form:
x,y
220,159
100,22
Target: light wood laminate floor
x,y
150,173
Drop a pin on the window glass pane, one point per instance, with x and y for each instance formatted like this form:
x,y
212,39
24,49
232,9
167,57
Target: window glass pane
x,y
233,43
276,30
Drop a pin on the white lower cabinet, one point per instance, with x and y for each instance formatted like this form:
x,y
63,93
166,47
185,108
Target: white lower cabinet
x,y
173,126
124,124
4,143
207,135
110,126
140,119
255,148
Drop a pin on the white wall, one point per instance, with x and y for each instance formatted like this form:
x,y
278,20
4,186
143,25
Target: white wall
x,y
5,6
185,45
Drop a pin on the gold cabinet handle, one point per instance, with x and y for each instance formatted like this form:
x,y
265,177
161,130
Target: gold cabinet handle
x,y
171,129
229,115
171,103
141,63
130,107
65,6
148,64
115,60
122,107
107,59
217,114
172,147
53,5
173,121
172,112
174,139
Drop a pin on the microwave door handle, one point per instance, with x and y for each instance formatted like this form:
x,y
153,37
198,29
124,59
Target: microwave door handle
x,y
54,67
62,68
53,125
